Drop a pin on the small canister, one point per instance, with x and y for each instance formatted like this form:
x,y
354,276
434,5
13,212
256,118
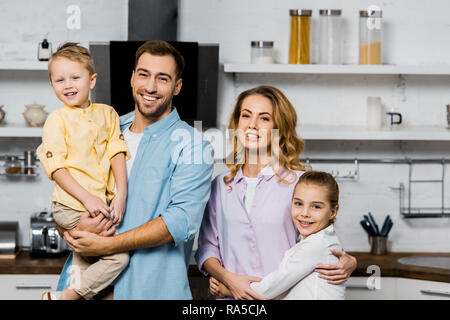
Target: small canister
x,y
13,165
378,245
262,52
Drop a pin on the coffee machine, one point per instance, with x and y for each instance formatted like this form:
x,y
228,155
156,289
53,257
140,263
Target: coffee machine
x,y
45,239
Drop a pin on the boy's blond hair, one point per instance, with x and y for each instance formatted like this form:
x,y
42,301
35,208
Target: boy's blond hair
x,y
74,52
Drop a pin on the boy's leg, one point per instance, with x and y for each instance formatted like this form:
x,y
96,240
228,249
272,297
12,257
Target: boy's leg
x,y
101,273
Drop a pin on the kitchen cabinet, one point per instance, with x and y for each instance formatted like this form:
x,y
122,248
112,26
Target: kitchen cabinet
x,y
357,289
26,286
395,288
361,133
412,289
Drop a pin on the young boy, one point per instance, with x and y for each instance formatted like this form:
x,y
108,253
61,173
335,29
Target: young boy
x,y
84,152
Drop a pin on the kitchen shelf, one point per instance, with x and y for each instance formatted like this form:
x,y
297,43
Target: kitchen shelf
x,y
20,131
27,65
417,133
339,69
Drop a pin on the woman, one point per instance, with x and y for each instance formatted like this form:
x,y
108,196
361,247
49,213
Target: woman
x,y
247,226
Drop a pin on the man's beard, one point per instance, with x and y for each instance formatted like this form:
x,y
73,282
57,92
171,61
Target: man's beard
x,y
154,113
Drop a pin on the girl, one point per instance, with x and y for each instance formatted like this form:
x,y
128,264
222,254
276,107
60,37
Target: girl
x,y
314,208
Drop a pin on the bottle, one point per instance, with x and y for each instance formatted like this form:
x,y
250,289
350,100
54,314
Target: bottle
x,y
370,36
44,50
330,38
262,52
299,47
28,162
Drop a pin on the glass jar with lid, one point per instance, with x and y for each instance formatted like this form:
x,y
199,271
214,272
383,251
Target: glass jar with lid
x,y
12,165
370,36
262,52
330,37
299,46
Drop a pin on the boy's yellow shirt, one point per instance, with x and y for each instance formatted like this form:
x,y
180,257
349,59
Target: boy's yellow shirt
x,y
83,141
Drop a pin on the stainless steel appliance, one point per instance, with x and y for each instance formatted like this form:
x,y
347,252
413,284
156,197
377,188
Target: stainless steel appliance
x,y
9,238
45,239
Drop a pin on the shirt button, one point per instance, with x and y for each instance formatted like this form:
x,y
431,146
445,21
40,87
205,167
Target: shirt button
x,y
154,136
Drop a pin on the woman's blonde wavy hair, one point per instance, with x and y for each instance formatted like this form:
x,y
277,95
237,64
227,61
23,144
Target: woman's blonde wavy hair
x,y
287,147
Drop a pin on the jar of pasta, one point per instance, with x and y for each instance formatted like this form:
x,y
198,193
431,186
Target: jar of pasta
x,y
299,46
370,36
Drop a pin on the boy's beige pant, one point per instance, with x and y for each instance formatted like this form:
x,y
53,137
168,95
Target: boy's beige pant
x,y
89,275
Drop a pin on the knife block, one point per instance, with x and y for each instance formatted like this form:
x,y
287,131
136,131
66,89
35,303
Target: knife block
x,y
378,245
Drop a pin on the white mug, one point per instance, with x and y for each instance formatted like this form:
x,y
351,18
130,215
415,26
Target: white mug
x,y
374,114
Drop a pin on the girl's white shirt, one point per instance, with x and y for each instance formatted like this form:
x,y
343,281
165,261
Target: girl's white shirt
x,y
295,278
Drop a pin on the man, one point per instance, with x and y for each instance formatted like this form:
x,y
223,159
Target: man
x,y
169,179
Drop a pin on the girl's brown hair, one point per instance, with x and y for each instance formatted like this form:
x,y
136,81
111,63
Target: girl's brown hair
x,y
74,52
288,147
322,179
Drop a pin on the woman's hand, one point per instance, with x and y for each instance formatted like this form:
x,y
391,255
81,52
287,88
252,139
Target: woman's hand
x,y
239,286
337,273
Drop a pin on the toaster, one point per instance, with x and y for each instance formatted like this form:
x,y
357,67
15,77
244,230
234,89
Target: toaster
x,y
9,238
45,239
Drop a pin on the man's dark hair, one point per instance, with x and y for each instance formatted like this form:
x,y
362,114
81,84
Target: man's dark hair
x,y
161,48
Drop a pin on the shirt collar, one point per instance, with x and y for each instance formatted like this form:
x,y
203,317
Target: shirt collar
x,y
266,173
85,110
328,230
155,128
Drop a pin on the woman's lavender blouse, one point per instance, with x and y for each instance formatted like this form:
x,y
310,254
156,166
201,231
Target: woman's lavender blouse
x,y
249,243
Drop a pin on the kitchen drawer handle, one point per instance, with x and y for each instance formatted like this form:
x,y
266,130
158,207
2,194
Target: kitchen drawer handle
x,y
33,286
359,286
436,292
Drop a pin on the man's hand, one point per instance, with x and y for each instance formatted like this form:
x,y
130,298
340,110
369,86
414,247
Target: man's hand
x,y
98,225
87,243
216,289
337,273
